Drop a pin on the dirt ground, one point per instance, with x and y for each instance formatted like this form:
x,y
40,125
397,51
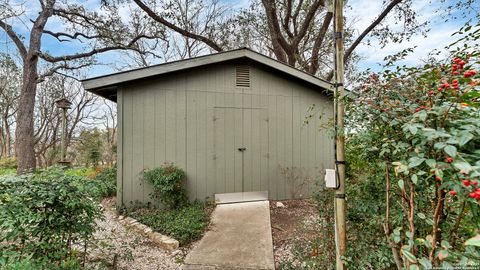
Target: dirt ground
x,y
297,220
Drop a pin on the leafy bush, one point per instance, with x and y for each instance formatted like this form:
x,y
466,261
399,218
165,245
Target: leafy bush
x,y
421,129
105,182
167,182
43,215
8,163
185,224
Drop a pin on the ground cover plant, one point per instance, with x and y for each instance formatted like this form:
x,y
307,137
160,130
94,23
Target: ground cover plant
x,y
185,224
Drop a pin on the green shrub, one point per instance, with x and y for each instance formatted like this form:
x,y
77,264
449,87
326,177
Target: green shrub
x,y
186,224
167,182
8,163
105,183
416,202
43,215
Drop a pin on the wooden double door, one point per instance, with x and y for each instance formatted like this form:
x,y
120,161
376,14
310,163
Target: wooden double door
x,y
241,148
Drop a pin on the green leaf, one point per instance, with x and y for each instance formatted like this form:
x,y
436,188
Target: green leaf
x,y
439,173
450,150
422,115
445,244
410,257
396,238
414,179
415,161
443,254
425,263
413,129
431,163
447,266
474,241
439,145
465,138
401,184
421,215
462,166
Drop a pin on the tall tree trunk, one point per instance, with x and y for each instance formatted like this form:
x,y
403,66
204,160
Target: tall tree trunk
x,y
24,139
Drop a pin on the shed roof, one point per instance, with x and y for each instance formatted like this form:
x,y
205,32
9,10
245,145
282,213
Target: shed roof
x,y
106,85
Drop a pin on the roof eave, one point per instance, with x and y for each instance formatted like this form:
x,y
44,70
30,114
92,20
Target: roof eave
x,y
98,84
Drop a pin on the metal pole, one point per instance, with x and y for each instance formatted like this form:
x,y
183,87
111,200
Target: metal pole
x,y
340,206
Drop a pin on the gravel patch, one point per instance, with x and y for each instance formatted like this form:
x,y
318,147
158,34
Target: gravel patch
x,y
296,220
120,248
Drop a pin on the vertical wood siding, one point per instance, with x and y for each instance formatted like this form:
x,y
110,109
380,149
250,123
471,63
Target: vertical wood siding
x,y
198,119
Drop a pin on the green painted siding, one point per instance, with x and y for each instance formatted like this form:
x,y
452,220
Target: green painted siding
x,y
198,119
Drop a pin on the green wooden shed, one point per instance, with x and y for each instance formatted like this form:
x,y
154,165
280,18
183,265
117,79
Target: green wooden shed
x,y
235,121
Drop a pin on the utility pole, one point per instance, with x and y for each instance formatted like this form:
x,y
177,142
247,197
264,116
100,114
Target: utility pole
x,y
340,206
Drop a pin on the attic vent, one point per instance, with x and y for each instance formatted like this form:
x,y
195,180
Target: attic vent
x,y
242,76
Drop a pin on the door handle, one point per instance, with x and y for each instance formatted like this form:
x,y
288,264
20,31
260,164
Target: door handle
x,y
242,149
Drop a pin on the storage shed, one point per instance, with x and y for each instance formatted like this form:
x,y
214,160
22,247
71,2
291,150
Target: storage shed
x,y
235,121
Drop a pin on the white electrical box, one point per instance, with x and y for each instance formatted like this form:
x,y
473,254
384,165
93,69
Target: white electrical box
x,y
331,178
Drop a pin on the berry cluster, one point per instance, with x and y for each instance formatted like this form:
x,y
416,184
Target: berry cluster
x,y
455,84
458,65
469,73
475,194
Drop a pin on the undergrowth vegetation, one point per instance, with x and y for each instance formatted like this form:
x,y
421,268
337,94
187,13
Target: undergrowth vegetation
x,y
171,213
185,224
44,216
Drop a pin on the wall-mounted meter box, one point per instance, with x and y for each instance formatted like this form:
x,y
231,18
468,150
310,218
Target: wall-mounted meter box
x,y
331,179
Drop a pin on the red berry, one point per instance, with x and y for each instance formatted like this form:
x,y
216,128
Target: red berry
x,y
474,183
455,81
453,192
449,159
472,195
466,183
437,178
469,73
446,85
417,109
431,93
455,73
456,59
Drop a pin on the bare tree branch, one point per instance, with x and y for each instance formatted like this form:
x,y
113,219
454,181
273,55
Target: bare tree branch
x,y
359,39
18,42
177,29
76,35
95,51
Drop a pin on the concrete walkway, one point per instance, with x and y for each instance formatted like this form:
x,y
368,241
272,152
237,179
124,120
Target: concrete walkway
x,y
240,238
